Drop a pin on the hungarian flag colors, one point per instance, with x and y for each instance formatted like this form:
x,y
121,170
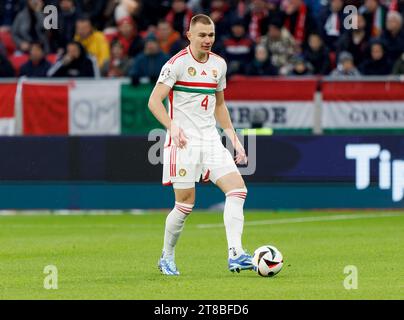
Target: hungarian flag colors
x,y
36,107
85,107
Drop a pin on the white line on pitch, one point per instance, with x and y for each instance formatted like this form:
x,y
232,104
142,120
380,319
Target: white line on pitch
x,y
307,219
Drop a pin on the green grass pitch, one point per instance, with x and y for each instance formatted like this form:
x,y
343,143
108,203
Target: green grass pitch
x,y
115,256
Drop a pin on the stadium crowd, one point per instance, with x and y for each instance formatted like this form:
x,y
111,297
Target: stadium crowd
x,y
117,38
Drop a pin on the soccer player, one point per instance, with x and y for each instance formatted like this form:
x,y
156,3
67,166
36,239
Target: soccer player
x,y
194,80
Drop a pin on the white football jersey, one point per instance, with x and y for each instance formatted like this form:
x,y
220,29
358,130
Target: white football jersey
x,y
192,98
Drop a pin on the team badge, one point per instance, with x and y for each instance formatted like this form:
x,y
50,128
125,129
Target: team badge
x,y
183,172
192,71
214,72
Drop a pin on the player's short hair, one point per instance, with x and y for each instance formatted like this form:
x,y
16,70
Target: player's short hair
x,y
201,18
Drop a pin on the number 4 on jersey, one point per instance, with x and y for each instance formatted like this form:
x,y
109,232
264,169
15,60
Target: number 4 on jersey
x,y
205,103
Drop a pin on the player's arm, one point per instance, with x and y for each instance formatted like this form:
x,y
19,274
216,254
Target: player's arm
x,y
223,118
157,108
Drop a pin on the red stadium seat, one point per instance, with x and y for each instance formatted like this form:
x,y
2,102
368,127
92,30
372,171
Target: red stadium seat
x,y
7,40
18,60
52,58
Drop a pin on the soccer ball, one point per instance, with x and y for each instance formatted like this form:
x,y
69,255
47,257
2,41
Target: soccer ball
x,y
267,261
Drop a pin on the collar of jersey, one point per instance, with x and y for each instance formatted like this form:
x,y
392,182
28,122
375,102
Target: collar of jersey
x,y
190,51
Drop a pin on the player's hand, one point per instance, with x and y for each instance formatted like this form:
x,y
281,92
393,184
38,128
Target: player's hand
x,y
178,136
241,157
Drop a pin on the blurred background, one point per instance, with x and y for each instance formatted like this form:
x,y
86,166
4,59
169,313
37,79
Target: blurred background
x,y
133,38
326,101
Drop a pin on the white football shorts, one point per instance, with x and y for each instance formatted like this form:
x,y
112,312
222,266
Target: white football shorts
x,y
183,167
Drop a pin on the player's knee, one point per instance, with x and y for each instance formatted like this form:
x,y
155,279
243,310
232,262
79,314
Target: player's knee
x,y
185,195
238,185
187,198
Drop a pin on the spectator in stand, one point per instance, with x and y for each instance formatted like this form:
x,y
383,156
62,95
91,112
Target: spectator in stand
x,y
238,49
318,55
94,9
179,16
127,8
37,66
170,41
67,17
151,12
6,41
398,68
6,68
28,27
273,13
257,19
51,2
393,36
221,15
300,67
345,67
397,5
315,7
8,11
93,41
76,63
355,41
331,24
280,45
198,6
129,38
147,65
378,64
2,49
109,14
261,65
119,65
356,3
375,15
299,21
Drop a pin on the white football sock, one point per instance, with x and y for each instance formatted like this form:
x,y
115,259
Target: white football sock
x,y
234,221
174,225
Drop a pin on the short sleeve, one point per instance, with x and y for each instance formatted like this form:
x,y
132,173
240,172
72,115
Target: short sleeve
x,y
168,75
222,81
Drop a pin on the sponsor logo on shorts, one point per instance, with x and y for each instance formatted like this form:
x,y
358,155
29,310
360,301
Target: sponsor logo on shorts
x,y
192,71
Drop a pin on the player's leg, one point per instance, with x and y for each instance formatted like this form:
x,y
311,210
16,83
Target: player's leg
x,y
182,168
233,186
225,174
184,202
231,181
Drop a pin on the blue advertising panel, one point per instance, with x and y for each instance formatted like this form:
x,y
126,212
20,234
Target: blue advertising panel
x,y
320,159
115,172
125,159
